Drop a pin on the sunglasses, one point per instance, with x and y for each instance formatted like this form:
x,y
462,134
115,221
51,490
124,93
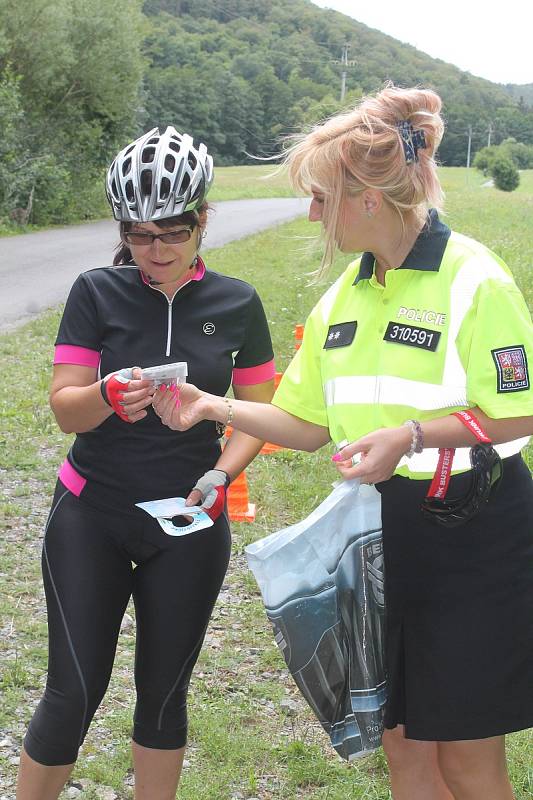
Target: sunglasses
x,y
144,239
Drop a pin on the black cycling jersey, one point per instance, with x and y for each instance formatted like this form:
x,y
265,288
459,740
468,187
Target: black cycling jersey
x,y
114,319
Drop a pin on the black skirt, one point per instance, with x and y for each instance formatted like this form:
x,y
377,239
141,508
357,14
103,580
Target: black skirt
x,y
459,642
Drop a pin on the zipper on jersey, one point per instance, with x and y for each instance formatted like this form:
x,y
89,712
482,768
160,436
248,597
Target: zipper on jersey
x,y
169,326
169,300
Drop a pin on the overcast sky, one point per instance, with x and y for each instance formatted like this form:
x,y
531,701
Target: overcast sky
x,y
490,39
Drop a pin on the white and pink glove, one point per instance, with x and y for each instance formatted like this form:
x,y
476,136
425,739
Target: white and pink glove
x,y
212,489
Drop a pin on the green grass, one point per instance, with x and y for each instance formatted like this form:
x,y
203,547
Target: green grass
x,y
236,183
242,743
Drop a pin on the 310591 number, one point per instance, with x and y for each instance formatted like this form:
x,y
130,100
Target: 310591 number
x,y
412,336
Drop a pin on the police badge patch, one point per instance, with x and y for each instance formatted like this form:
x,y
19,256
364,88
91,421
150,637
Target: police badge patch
x,y
511,366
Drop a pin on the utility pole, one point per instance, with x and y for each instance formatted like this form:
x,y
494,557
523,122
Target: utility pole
x,y
469,146
344,62
490,134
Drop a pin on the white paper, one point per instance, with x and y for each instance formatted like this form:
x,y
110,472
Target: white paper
x,y
163,510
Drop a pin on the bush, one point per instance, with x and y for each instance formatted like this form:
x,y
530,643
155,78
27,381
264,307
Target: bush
x,y
504,173
520,154
484,158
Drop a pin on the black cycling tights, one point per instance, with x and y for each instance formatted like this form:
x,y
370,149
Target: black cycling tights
x,y
89,578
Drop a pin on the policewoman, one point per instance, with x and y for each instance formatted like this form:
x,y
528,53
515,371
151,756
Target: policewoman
x,y
415,363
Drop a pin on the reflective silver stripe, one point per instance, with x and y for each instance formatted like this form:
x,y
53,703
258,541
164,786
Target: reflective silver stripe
x,y
427,460
328,299
462,290
389,390
68,636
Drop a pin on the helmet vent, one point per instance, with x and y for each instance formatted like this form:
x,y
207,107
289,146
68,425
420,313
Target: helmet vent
x,y
148,155
146,182
186,182
192,161
165,188
174,146
126,167
170,163
130,194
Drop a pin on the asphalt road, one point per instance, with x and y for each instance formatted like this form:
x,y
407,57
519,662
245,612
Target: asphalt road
x,y
37,269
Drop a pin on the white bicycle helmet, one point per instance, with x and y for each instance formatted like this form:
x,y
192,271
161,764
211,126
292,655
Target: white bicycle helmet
x,y
159,175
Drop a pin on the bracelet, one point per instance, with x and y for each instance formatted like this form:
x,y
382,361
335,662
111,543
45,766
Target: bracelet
x,y
417,440
221,426
230,412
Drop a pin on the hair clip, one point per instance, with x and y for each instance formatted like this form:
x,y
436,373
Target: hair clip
x,y
412,140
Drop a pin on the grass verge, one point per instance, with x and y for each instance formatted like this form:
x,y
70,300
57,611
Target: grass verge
x,y
244,743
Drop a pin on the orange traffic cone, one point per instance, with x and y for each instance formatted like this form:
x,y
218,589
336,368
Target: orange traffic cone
x,y
268,447
239,509
298,336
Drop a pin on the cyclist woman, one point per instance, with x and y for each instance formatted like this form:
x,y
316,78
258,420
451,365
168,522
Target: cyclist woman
x,y
426,324
159,304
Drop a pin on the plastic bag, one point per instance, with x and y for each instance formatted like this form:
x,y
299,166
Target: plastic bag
x,y
322,585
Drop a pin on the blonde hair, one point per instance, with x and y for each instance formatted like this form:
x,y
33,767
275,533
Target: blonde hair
x,y
362,148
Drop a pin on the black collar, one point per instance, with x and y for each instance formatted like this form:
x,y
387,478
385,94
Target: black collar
x,y
426,254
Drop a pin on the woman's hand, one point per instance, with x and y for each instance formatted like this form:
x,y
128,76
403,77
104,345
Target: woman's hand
x,y
380,452
181,407
128,397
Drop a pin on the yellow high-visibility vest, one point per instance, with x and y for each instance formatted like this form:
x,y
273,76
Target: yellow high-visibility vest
x,y
450,330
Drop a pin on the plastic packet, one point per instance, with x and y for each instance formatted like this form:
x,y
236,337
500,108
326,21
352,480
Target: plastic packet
x,y
322,585
163,373
166,373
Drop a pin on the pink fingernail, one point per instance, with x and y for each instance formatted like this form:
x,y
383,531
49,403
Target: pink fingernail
x,y
163,387
337,457
178,401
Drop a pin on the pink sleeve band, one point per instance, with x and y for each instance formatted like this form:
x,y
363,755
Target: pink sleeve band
x,y
71,479
72,354
247,376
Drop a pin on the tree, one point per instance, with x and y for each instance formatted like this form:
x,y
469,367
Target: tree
x,y
77,67
504,173
13,149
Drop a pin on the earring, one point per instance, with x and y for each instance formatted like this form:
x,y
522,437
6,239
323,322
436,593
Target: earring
x,y
369,214
194,263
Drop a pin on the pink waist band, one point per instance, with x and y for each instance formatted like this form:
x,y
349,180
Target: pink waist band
x,y
71,479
